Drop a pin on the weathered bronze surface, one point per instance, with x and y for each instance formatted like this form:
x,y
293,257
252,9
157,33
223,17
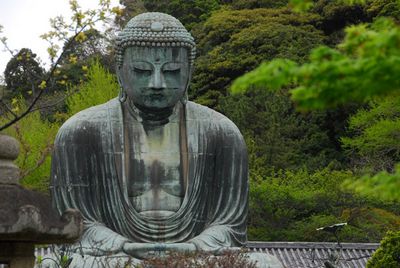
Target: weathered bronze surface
x,y
150,171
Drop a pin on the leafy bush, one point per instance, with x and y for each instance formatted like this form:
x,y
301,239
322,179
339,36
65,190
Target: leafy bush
x,y
383,185
100,87
388,254
36,136
292,205
228,259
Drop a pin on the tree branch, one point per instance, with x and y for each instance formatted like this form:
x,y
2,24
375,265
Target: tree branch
x,y
8,108
50,76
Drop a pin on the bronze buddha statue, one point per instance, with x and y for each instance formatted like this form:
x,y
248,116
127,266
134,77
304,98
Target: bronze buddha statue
x,y
149,170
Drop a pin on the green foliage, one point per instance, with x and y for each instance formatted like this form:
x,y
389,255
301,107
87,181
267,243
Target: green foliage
x,y
94,44
23,73
374,130
364,65
232,42
304,5
301,5
374,222
384,8
277,136
252,4
292,205
277,72
388,254
279,201
189,12
383,185
100,87
374,144
72,69
335,16
36,136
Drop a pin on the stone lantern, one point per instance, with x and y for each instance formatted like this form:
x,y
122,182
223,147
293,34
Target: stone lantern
x,y
27,217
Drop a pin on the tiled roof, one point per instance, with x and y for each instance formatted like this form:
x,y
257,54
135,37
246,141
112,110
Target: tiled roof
x,y
315,254
303,254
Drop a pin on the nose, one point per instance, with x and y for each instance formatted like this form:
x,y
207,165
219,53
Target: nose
x,y
157,81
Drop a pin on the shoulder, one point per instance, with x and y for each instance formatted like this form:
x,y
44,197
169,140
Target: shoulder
x,y
211,118
88,122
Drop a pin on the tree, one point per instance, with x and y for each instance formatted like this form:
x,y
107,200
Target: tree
x,y
130,9
373,136
336,76
23,73
189,12
336,15
233,42
100,87
253,4
72,70
388,254
96,44
363,66
62,31
35,135
277,136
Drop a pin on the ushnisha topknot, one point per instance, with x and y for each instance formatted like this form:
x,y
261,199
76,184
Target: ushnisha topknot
x,y
154,29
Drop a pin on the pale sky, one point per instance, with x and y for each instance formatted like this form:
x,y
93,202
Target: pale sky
x,y
25,20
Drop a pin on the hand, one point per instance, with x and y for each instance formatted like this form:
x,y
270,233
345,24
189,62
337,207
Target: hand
x,y
139,250
147,250
180,247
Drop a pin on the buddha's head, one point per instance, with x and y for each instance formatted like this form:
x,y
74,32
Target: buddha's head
x,y
155,56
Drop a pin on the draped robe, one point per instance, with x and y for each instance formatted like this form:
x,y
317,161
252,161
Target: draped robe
x,y
88,173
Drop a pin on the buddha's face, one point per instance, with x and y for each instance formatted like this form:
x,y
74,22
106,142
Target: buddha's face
x,y
155,77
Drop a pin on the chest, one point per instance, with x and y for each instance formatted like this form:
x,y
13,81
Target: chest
x,y
154,160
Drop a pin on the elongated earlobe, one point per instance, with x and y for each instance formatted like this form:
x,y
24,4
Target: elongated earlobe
x,y
184,98
122,94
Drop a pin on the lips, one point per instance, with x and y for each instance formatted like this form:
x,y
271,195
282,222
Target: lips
x,y
156,95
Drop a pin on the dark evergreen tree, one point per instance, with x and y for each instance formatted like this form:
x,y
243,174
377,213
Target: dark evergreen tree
x,y
73,67
23,74
189,12
233,42
279,137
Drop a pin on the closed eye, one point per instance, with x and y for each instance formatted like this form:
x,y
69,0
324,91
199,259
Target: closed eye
x,y
141,67
141,71
172,70
171,67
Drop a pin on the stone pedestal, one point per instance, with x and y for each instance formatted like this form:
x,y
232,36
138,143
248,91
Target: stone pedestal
x,y
26,217
17,254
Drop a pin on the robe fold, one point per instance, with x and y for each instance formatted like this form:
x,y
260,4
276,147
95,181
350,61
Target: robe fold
x,y
88,173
